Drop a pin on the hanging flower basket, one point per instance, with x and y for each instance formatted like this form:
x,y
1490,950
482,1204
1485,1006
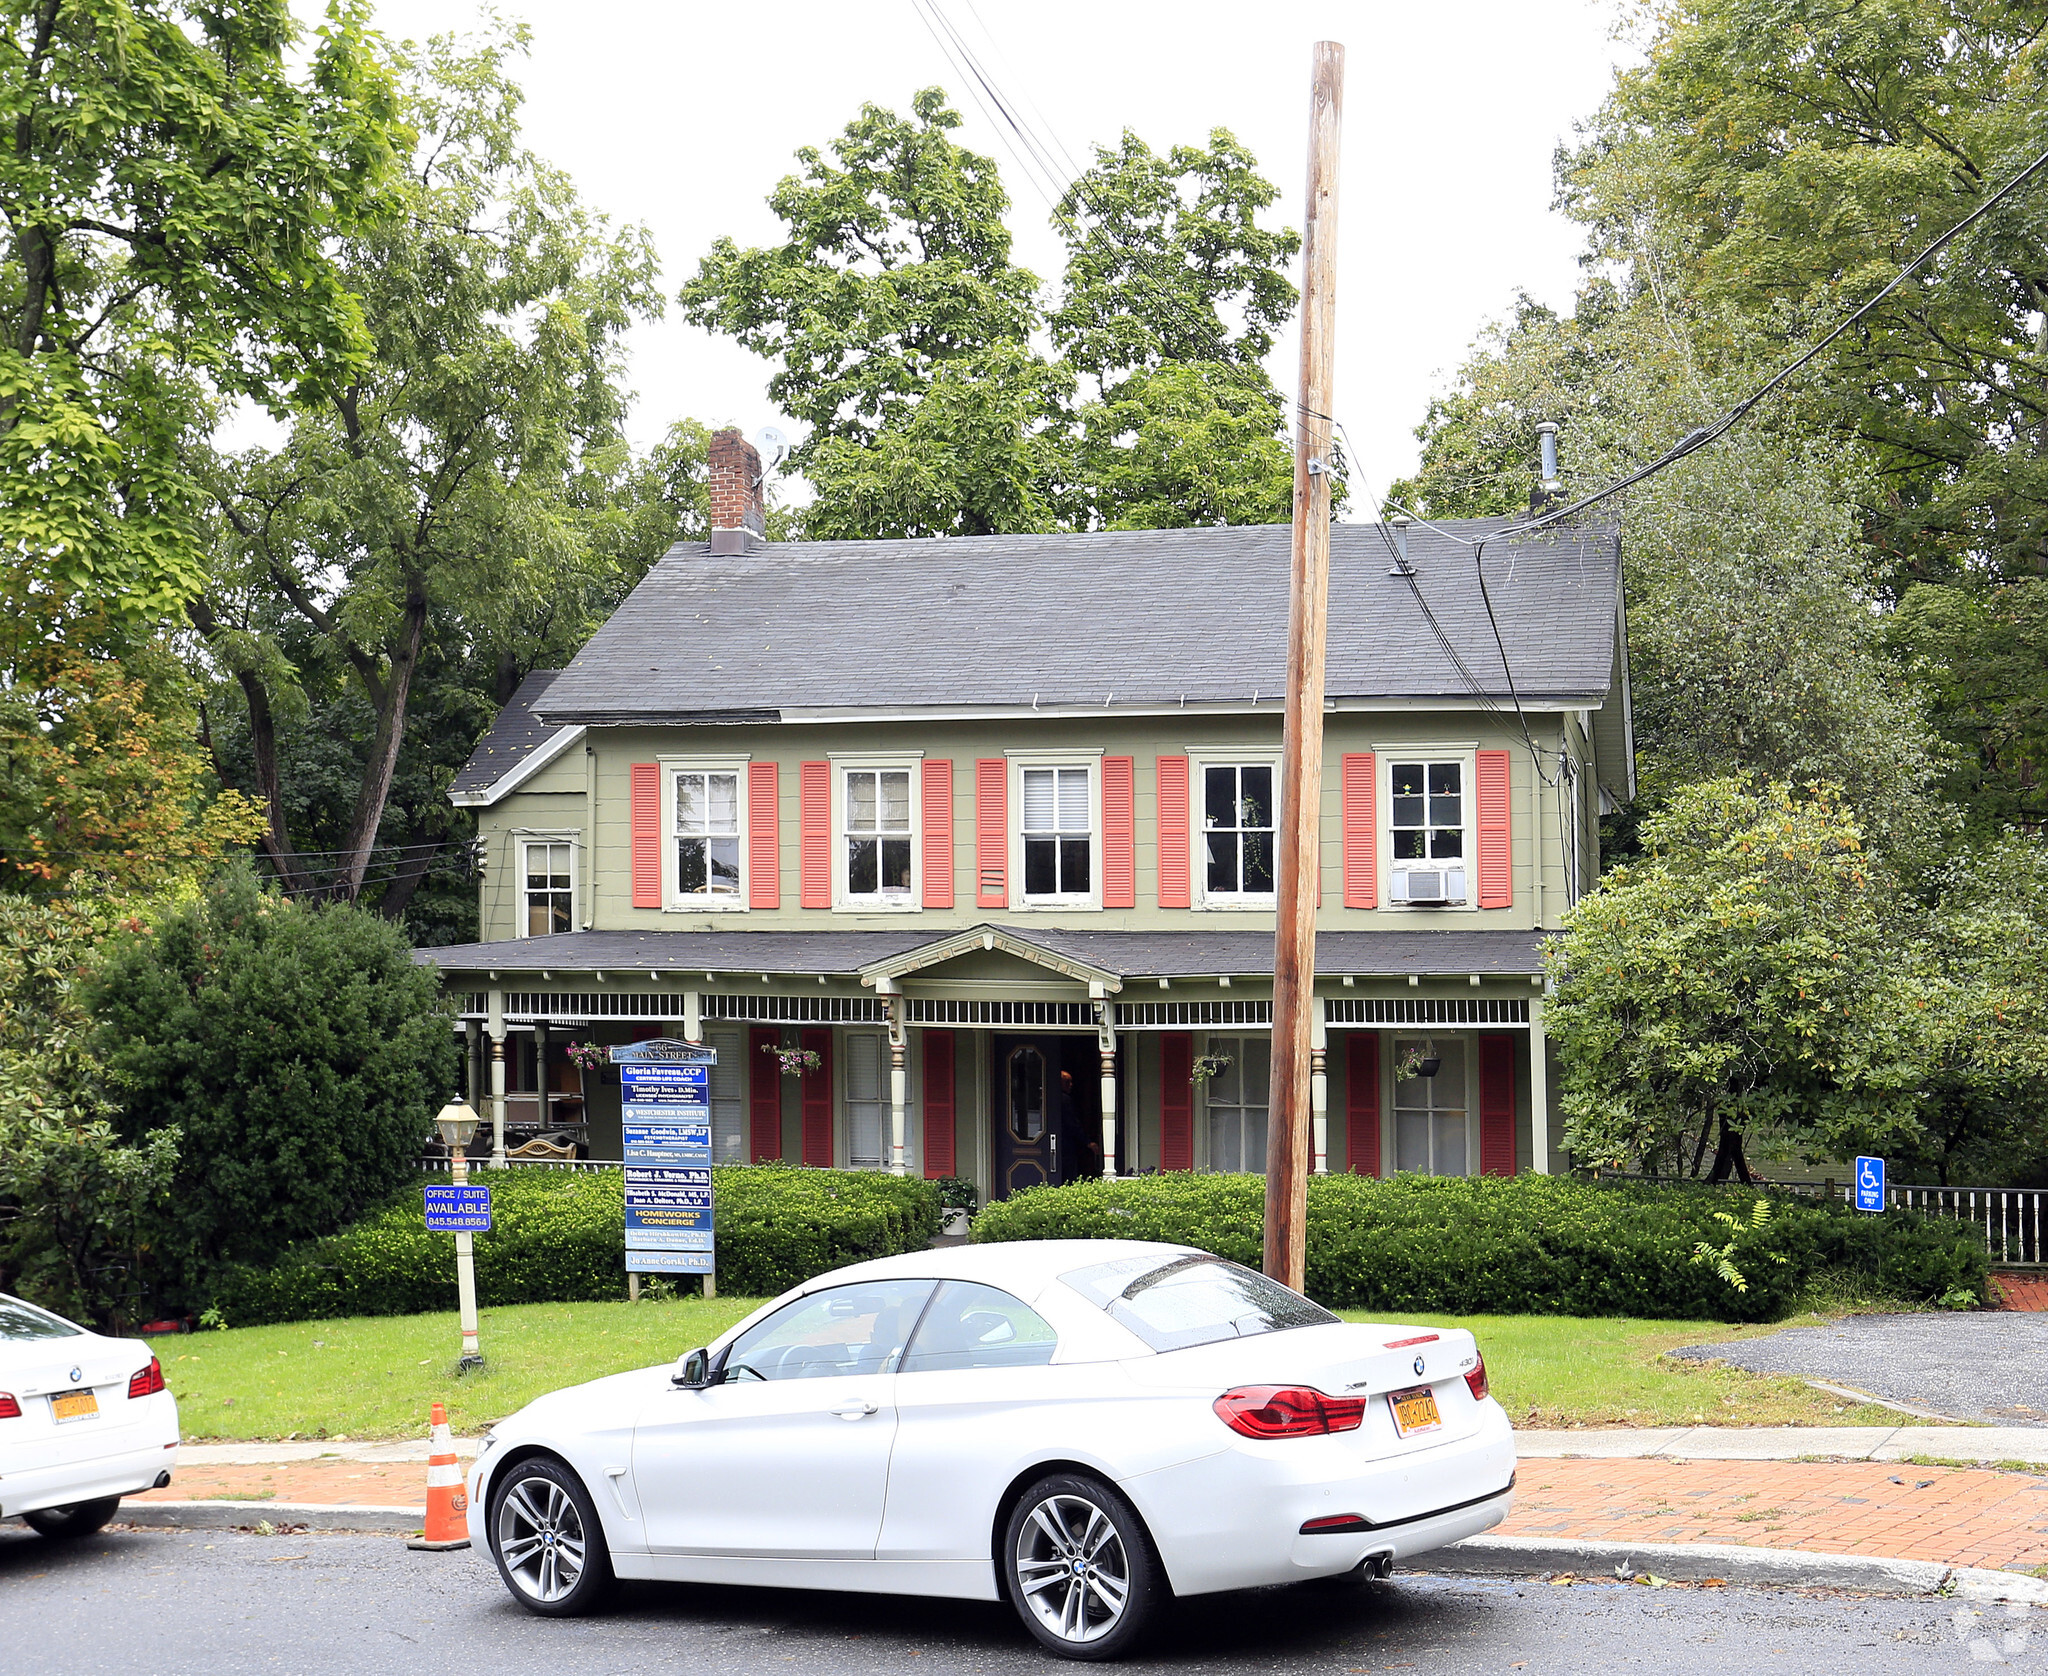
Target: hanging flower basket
x,y
585,1056
794,1061
1423,1061
1207,1066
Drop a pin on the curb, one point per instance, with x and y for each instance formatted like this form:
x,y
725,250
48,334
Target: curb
x,y
242,1515
1691,1562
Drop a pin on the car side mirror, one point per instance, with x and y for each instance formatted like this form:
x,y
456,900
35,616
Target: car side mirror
x,y
693,1371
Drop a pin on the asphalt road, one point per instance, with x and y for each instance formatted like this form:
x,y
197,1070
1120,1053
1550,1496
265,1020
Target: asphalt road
x,y
1990,1366
199,1603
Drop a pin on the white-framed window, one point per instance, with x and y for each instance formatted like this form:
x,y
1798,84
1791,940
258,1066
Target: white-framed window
x,y
1432,1114
1057,822
865,1056
1236,1098
728,1095
1429,808
707,836
1238,809
547,886
878,846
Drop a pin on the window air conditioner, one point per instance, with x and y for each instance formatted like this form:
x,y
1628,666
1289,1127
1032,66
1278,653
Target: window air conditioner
x,y
1428,886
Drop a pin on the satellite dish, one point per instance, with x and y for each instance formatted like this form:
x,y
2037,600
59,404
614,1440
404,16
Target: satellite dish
x,y
774,447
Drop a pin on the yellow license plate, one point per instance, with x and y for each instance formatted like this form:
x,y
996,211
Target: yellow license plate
x,y
1415,1411
74,1405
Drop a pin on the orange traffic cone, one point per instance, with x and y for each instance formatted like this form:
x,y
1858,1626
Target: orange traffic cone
x,y
447,1501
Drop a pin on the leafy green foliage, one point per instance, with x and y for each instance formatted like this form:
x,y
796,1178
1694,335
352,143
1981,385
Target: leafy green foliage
x,y
1535,1245
559,1235
1721,1258
299,1053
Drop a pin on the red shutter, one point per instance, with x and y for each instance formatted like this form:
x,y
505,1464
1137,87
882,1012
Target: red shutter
x,y
815,786
938,1104
1173,834
1176,1095
1119,832
646,807
764,1096
1497,1104
1496,838
1362,1101
818,1098
991,833
764,837
1361,833
937,859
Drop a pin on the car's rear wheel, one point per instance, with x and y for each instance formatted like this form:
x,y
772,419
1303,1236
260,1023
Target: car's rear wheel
x,y
1079,1567
75,1519
547,1540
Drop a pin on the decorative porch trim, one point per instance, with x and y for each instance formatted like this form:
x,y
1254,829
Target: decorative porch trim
x,y
798,1009
1073,1015
659,1005
1425,1010
1192,1015
987,937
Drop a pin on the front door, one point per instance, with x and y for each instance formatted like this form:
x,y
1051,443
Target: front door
x,y
1047,1103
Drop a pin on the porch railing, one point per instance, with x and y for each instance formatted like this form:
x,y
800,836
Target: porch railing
x,y
480,1165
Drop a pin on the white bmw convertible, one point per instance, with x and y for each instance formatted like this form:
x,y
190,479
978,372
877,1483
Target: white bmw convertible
x,y
1085,1428
84,1421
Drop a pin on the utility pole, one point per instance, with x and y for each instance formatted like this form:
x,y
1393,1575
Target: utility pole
x,y
1301,761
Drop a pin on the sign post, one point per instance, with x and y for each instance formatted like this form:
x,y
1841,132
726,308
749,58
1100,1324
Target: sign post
x,y
463,1211
665,1108
1870,1184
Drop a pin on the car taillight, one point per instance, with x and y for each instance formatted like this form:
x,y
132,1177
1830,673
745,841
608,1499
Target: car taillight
x,y
9,1408
149,1381
1477,1380
1287,1411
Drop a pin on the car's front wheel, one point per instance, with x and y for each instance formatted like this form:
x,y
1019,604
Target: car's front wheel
x,y
76,1519
1080,1569
547,1540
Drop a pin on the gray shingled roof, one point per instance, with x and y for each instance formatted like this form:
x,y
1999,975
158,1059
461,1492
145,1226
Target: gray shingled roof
x,y
1140,954
514,736
1143,616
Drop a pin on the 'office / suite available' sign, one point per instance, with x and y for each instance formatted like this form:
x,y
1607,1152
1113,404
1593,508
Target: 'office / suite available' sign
x,y
458,1210
665,1090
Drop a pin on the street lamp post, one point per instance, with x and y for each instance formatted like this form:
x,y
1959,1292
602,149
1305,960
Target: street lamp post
x,y
457,1123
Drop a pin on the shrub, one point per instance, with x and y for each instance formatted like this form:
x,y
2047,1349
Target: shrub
x,y
559,1236
1525,1245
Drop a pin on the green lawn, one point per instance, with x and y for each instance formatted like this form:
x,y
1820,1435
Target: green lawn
x,y
374,1377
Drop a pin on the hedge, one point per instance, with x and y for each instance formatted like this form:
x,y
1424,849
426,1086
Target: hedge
x,y
559,1236
1520,1245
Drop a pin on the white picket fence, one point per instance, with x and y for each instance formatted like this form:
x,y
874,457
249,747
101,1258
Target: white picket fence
x,y
2011,1217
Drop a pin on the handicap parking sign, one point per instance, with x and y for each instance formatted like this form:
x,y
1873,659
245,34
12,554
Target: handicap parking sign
x,y
1870,1184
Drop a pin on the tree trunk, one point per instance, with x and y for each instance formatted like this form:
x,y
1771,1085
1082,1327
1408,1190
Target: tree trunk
x,y
277,844
1728,1158
411,871
383,758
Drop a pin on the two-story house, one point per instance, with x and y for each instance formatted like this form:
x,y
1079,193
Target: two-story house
x,y
960,852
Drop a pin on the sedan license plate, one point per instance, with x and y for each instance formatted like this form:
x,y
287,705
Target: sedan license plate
x,y
74,1405
1414,1410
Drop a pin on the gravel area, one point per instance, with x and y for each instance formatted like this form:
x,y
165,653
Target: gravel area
x,y
1990,1367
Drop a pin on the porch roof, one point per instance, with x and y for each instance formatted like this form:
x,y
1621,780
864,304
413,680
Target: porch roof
x,y
1127,954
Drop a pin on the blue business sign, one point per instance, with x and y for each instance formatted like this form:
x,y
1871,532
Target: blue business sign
x,y
1870,1184
458,1210
665,1089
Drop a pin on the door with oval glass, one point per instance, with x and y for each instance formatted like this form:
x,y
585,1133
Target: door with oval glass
x,y
1047,1106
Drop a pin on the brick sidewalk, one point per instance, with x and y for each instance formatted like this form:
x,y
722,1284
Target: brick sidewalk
x,y
1955,1516
2020,1291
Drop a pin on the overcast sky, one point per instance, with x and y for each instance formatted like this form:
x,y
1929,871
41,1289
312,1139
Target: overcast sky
x,y
683,116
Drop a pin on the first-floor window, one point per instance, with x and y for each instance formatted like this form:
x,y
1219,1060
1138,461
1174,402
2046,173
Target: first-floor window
x,y
707,834
1058,829
1237,1096
550,887
1429,1111
1237,824
878,832
867,1101
728,1096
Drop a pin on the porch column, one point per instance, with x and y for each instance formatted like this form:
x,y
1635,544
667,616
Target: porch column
x,y
1539,1089
693,1016
540,1074
473,1061
495,1023
1319,1088
899,1089
1109,1107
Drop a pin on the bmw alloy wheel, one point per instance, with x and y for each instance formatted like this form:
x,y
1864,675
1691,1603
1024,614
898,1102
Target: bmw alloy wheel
x,y
541,1539
1072,1569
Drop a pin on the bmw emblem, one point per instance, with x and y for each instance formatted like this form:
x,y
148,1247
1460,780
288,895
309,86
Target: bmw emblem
x,y
76,1375
1418,1367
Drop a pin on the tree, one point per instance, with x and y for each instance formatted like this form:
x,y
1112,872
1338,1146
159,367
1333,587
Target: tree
x,y
1737,988
299,1053
452,492
172,176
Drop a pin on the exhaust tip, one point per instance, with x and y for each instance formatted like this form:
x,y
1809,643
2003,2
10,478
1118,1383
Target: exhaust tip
x,y
163,1481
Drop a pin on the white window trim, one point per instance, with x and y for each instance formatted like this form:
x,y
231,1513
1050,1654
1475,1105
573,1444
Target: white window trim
x,y
1225,902
673,900
1389,1130
1091,902
573,837
1383,773
843,763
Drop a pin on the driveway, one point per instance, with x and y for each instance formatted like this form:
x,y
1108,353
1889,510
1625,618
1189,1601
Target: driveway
x,y
1990,1366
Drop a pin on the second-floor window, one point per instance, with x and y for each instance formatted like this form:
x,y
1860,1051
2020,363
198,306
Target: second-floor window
x,y
1428,811
1058,832
878,847
707,835
1237,825
550,875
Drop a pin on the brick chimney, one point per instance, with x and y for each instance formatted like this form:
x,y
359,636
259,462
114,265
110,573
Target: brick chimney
x,y
738,509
